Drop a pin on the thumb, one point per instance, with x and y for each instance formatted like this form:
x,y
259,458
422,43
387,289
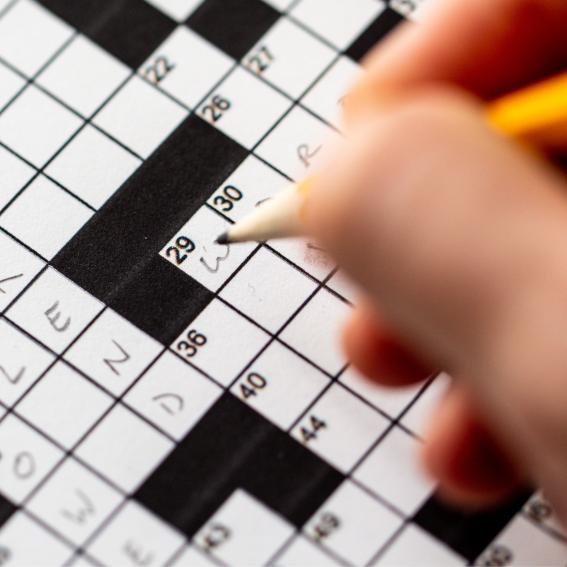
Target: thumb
x,y
460,238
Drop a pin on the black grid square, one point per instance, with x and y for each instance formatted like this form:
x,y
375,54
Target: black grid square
x,y
234,447
160,300
138,221
467,532
6,511
376,31
233,25
81,15
129,29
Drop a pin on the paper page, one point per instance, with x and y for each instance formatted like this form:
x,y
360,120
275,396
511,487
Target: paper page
x,y
165,400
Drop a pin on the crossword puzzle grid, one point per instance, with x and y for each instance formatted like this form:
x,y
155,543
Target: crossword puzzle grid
x,y
165,400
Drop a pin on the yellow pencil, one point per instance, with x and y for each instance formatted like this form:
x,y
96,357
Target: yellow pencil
x,y
536,115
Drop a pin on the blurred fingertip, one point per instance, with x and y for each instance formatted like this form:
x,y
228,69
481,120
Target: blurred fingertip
x,y
470,467
377,355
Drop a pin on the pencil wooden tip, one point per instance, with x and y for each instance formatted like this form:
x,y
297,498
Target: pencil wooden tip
x,y
223,238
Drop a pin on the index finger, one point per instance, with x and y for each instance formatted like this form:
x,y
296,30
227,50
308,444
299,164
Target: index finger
x,y
487,47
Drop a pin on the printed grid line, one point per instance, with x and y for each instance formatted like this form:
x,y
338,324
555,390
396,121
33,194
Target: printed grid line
x,y
7,8
33,279
334,381
555,534
549,530
320,285
86,121
336,559
274,337
175,557
70,453
61,358
89,120
394,423
226,282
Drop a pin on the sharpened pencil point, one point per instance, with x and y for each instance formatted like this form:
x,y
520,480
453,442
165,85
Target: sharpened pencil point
x,y
223,238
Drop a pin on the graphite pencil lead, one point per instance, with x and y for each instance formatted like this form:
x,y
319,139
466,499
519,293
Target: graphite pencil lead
x,y
223,238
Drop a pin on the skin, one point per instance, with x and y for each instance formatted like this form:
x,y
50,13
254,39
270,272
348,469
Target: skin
x,y
467,233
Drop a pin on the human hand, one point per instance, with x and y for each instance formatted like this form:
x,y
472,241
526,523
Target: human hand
x,y
458,238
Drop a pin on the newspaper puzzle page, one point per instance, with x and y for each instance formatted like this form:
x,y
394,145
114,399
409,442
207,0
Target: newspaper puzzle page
x,y
165,400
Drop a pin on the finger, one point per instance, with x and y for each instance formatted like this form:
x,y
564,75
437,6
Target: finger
x,y
448,212
488,47
470,465
377,354
459,238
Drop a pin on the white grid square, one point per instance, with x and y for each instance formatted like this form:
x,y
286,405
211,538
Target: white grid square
x,y
30,35
26,459
327,314
254,108
344,286
394,472
128,458
281,5
54,310
306,254
140,116
298,145
64,405
268,290
539,511
36,126
19,267
194,250
340,428
11,84
528,545
30,544
303,552
93,166
231,342
173,395
415,11
326,97
242,515
353,524
280,385
81,561
186,66
44,217
14,174
339,21
113,352
179,10
74,501
23,362
414,542
289,58
135,532
392,401
250,184
83,75
191,556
